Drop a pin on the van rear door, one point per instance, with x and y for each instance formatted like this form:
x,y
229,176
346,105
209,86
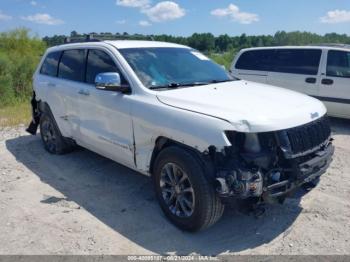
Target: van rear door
x,y
296,69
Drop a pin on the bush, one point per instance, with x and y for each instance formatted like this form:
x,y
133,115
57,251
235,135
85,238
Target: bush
x,y
19,56
224,59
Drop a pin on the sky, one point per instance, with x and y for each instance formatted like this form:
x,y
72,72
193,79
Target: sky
x,y
176,17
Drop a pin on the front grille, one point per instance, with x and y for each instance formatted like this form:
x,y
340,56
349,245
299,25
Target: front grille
x,y
308,137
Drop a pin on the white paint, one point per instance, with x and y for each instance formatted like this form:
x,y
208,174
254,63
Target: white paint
x,y
199,55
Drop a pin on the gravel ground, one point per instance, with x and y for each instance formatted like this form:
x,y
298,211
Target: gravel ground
x,y
82,203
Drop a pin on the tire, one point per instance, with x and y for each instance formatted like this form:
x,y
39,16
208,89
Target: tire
x,y
204,210
51,136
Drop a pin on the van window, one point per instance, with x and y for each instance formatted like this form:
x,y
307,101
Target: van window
x,y
50,64
338,64
259,60
72,65
297,61
99,62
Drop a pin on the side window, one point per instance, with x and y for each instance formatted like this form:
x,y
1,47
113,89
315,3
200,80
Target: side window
x,y
338,64
72,65
50,64
258,60
297,61
99,62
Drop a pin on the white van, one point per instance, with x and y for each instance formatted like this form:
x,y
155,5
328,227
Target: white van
x,y
319,71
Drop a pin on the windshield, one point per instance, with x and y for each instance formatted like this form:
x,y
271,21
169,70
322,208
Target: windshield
x,y
173,67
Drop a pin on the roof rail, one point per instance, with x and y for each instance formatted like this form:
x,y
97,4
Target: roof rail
x,y
99,38
332,45
87,38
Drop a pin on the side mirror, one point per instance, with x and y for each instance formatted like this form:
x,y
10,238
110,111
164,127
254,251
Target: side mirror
x,y
111,82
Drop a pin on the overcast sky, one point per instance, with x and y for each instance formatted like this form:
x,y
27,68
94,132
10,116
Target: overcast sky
x,y
178,17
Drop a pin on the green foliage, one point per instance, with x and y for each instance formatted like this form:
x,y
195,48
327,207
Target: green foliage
x,y
20,51
221,48
19,56
206,42
224,59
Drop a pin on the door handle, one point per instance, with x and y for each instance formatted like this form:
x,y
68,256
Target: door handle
x,y
51,85
311,80
83,92
327,81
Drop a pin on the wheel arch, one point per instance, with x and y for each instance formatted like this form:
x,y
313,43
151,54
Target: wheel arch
x,y
163,142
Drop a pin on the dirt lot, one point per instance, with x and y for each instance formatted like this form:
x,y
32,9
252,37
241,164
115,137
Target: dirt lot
x,y
82,203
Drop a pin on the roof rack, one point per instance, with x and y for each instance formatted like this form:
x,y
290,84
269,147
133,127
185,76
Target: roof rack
x,y
92,38
332,45
87,38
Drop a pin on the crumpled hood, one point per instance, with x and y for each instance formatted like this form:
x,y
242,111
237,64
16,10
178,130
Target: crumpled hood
x,y
248,106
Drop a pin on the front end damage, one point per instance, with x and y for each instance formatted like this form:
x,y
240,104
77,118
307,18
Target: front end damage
x,y
271,166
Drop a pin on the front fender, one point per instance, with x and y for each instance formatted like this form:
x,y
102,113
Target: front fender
x,y
152,120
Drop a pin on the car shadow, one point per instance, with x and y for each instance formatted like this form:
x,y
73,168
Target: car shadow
x,y
340,126
124,201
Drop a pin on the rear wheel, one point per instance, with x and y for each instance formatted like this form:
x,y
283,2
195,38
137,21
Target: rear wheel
x,y
52,139
184,192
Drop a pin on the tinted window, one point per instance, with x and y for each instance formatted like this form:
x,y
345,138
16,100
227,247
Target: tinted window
x,y
259,60
72,65
98,62
338,64
50,64
297,61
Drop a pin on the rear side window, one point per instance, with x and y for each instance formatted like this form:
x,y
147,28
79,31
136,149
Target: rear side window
x,y
297,61
259,60
338,64
72,65
98,62
50,64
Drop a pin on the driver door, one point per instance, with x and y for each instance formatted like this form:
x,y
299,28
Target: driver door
x,y
105,121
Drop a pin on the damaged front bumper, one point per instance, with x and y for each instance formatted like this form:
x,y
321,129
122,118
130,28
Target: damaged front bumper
x,y
302,173
276,183
271,166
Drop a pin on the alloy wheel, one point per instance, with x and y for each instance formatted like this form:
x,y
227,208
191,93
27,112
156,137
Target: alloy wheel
x,y
177,190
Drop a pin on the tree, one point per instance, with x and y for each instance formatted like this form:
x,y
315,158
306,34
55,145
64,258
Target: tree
x,y
74,33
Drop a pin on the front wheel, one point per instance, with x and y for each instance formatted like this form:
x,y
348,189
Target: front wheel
x,y
184,192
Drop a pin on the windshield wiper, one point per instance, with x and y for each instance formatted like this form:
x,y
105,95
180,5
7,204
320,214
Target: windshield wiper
x,y
168,86
220,81
177,85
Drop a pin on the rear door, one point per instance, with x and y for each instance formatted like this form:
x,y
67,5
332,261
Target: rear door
x,y
45,85
71,71
252,65
335,83
296,69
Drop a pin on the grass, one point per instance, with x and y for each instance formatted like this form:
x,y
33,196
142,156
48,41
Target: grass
x,y
15,115
224,59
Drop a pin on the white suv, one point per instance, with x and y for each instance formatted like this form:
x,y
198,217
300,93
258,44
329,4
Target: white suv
x,y
319,71
169,112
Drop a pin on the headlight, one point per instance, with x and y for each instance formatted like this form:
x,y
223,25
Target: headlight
x,y
251,143
247,142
